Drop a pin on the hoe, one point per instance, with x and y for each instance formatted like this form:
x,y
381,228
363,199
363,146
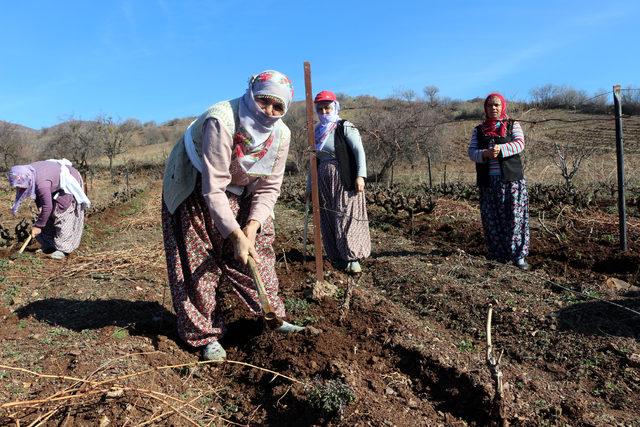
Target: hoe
x,y
270,316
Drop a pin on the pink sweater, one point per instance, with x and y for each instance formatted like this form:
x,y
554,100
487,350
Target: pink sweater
x,y
222,169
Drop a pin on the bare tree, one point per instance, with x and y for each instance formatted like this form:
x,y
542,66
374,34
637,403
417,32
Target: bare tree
x,y
631,100
297,122
553,96
11,144
152,134
397,129
78,141
431,94
568,160
116,137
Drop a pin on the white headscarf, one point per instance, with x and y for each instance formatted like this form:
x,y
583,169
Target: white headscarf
x,y
328,123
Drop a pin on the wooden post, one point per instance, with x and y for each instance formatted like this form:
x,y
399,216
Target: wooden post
x,y
315,197
622,215
429,166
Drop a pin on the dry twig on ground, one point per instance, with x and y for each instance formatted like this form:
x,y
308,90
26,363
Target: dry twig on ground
x,y
84,392
498,411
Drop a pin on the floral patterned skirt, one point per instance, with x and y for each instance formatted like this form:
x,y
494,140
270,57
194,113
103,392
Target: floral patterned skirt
x,y
63,230
504,207
199,260
343,217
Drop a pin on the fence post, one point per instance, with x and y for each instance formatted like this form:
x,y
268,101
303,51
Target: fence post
x,y
622,215
429,166
315,196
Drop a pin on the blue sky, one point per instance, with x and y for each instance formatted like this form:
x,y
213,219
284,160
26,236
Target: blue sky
x,y
163,59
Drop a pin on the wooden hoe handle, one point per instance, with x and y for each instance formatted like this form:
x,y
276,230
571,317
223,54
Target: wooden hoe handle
x,y
269,315
24,245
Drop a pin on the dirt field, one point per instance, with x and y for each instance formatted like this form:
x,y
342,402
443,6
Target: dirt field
x,y
91,340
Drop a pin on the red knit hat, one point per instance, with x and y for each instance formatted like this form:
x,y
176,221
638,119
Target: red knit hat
x,y
325,95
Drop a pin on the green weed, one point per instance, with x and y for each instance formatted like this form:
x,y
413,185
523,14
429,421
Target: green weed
x,y
57,331
466,346
11,353
591,362
330,398
120,334
11,293
304,321
296,306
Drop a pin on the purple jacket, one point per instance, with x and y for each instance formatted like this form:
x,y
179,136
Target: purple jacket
x,y
47,184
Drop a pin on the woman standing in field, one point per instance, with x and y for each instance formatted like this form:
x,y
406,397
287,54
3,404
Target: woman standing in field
x,y
341,172
221,182
56,187
495,147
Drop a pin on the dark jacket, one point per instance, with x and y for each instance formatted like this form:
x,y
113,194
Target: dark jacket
x,y
347,166
511,167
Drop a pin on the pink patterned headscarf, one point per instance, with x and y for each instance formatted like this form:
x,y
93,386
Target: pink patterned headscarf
x,y
23,179
256,123
492,127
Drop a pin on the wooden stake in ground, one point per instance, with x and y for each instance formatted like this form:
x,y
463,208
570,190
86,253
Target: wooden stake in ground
x,y
315,197
497,412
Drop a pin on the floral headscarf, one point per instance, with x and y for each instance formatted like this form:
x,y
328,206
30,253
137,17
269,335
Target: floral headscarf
x,y
491,127
328,123
253,120
23,179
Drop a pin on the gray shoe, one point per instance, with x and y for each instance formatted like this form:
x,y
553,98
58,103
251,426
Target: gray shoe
x,y
214,352
354,267
57,255
522,264
289,328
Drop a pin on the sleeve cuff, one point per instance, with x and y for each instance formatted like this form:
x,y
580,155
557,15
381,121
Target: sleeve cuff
x,y
226,228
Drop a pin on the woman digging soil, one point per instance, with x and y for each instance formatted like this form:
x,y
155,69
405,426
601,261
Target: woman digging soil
x,y
221,182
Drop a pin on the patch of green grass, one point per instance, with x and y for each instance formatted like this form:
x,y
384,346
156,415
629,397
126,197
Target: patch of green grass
x,y
466,346
28,262
572,297
15,389
540,403
3,374
592,294
46,340
32,259
11,293
11,352
120,334
57,331
590,362
230,409
608,387
22,324
609,238
4,264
